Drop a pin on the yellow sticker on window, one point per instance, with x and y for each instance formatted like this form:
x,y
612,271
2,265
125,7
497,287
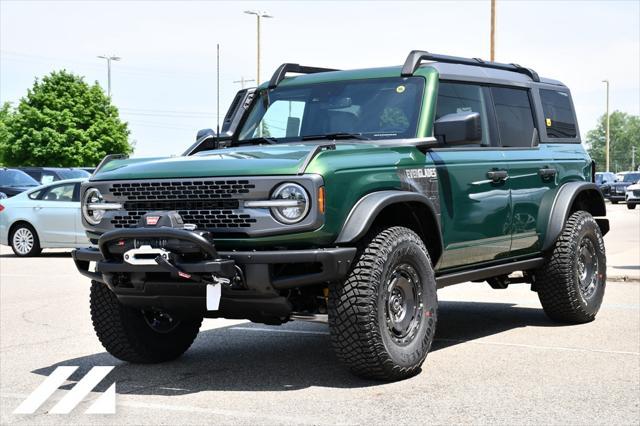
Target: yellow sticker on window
x,y
548,120
400,89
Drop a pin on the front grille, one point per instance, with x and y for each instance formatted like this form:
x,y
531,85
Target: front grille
x,y
636,192
181,190
208,204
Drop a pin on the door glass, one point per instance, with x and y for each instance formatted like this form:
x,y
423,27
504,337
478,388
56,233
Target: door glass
x,y
455,98
558,114
281,120
514,117
60,193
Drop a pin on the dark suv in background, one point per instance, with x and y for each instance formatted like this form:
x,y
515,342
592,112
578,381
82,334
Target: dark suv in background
x,y
13,182
618,189
46,175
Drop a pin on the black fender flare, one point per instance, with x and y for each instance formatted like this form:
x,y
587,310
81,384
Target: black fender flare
x,y
367,209
561,207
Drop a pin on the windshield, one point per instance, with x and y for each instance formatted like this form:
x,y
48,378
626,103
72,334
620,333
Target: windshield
x,y
383,108
73,173
631,177
16,178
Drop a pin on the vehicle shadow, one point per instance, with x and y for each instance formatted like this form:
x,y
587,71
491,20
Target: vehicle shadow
x,y
43,254
254,357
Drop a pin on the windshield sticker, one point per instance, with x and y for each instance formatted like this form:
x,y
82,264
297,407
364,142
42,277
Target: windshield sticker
x,y
400,89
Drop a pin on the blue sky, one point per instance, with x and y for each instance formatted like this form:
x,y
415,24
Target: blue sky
x,y
165,84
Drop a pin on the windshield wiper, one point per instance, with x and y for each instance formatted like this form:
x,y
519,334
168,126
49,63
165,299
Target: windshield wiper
x,y
260,140
336,136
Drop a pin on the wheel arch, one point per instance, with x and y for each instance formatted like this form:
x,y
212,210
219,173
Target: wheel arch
x,y
18,222
393,207
571,197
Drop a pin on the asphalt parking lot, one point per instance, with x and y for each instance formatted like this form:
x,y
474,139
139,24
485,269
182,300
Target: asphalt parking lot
x,y
496,359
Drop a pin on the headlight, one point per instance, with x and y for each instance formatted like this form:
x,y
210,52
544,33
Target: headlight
x,y
89,212
294,204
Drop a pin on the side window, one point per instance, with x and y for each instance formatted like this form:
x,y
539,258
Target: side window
x,y
514,117
282,119
459,97
558,114
60,193
35,194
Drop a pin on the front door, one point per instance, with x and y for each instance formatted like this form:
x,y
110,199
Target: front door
x,y
473,184
56,212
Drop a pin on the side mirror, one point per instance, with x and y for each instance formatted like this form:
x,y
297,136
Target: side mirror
x,y
459,128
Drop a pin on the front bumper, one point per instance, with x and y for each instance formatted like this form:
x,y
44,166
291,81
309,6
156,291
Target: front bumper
x,y
259,295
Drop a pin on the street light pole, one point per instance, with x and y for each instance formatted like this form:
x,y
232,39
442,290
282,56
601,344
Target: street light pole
x,y
493,29
109,59
259,14
607,137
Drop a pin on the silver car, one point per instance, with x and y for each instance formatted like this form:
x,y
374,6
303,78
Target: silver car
x,y
44,217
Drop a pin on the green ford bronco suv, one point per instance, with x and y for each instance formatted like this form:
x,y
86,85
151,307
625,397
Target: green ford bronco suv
x,y
355,194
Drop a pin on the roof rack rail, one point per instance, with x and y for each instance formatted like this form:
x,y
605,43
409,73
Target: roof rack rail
x,y
283,69
414,59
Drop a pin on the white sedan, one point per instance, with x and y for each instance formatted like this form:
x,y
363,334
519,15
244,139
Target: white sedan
x,y
44,217
632,196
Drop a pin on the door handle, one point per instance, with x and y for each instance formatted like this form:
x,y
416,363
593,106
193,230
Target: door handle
x,y
37,207
547,172
497,175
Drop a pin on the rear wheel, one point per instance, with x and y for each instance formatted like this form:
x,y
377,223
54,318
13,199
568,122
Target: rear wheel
x,y
383,317
139,336
614,201
24,241
572,281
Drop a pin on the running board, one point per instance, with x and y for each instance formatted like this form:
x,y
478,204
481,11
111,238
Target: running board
x,y
488,272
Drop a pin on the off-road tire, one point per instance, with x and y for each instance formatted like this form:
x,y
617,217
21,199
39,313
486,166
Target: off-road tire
x,y
125,334
614,201
557,280
360,336
35,249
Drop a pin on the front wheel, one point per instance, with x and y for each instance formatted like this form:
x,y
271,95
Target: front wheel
x,y
631,206
139,336
614,201
572,280
24,241
383,318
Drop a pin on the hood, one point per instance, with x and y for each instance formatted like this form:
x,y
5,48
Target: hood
x,y
260,160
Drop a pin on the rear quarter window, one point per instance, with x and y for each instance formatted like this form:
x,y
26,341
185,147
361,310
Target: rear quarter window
x,y
559,118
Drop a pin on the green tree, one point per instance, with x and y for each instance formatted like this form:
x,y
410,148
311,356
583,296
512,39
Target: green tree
x,y
5,116
63,122
624,133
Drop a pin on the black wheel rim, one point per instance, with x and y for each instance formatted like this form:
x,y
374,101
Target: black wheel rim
x,y
160,321
587,270
403,304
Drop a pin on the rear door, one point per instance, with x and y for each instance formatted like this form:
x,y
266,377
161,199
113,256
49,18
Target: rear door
x,y
532,172
475,209
55,214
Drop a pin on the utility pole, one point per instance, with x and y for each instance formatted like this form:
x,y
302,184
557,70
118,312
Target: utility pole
x,y
493,30
633,158
607,137
259,14
109,59
243,80
217,90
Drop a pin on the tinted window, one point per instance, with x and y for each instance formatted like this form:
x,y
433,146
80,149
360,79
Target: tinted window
x,y
455,98
558,114
631,177
16,178
73,173
60,193
514,117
